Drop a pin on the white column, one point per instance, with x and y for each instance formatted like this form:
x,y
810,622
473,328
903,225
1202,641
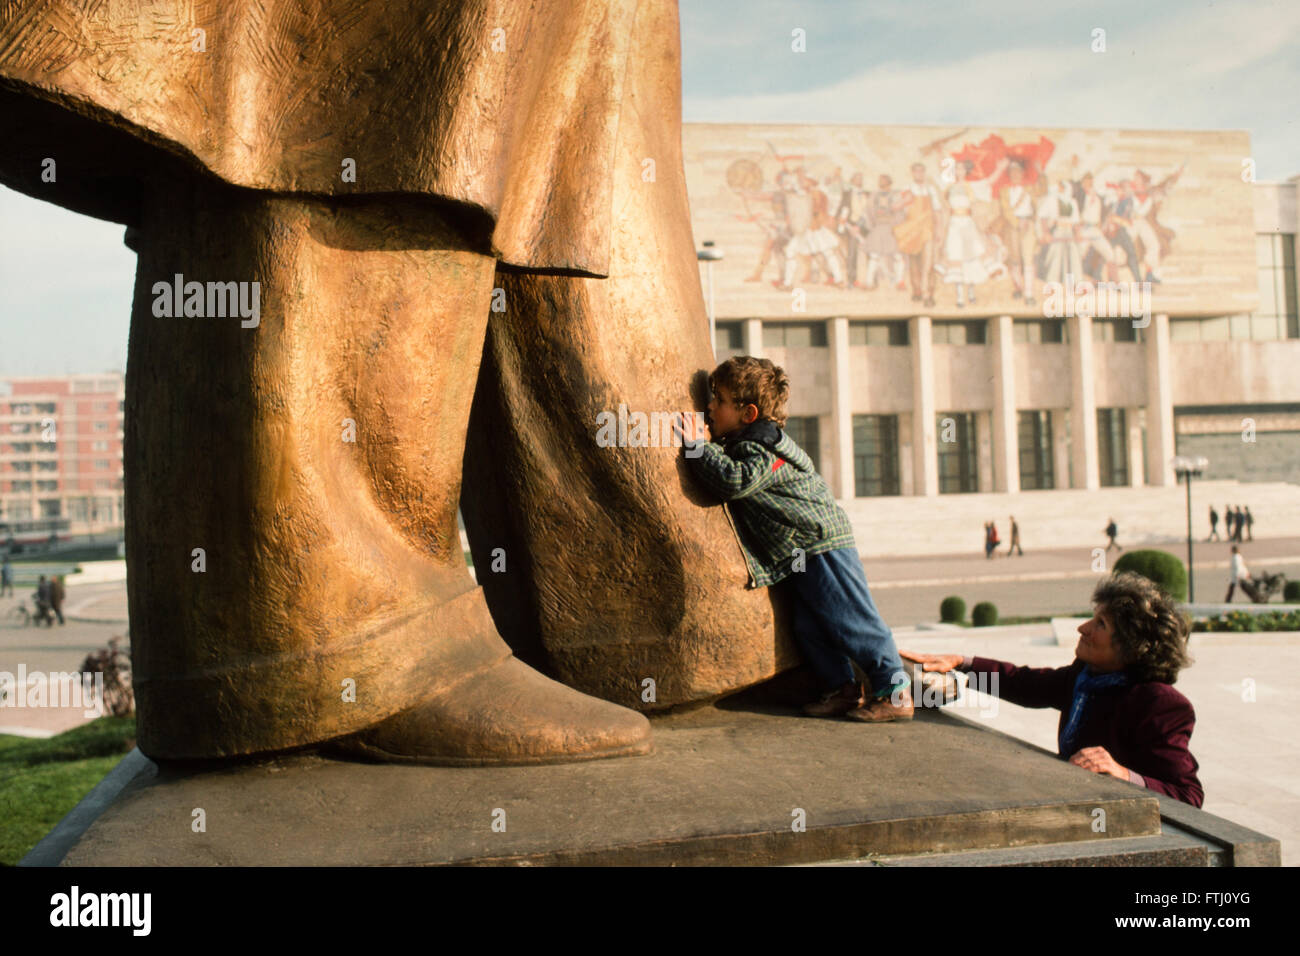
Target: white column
x,y
842,483
1006,433
925,467
1060,450
984,450
752,337
1160,401
1083,407
1133,422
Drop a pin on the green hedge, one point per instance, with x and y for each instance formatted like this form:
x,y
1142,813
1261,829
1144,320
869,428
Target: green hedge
x,y
1245,622
1158,566
984,614
952,609
1291,593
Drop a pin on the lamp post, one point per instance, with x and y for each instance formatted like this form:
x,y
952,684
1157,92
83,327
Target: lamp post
x,y
1188,467
710,254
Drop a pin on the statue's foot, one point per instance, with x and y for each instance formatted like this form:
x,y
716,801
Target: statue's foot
x,y
507,714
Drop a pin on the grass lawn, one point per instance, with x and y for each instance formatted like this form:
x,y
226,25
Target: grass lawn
x,y
42,779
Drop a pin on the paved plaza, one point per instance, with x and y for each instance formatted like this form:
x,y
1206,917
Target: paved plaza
x,y
1247,748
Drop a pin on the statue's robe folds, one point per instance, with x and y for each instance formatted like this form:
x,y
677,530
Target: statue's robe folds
x,y
510,107
547,134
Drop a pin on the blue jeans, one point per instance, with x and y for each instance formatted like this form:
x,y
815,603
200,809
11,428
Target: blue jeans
x,y
836,622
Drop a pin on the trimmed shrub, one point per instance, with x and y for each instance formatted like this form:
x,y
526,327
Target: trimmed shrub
x,y
1158,566
1291,593
952,609
984,614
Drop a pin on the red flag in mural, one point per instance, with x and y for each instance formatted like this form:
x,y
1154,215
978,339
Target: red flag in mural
x,y
988,153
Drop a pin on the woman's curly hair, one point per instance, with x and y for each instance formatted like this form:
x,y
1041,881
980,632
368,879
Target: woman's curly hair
x,y
755,381
1150,632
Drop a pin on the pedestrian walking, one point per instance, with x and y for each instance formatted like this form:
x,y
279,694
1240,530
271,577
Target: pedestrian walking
x,y
6,577
1238,525
57,594
1238,573
1112,530
1250,520
990,539
42,601
1214,525
1014,546
1229,521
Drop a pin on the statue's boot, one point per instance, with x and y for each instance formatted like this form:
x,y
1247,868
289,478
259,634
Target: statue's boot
x,y
614,570
295,568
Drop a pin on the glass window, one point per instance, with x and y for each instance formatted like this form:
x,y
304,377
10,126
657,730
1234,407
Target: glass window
x,y
1264,327
804,433
1264,248
878,333
1216,329
794,335
1112,447
1275,255
1115,330
1035,440
875,455
1039,331
958,453
958,333
727,336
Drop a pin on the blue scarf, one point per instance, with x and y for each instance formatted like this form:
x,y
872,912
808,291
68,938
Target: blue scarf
x,y
1086,686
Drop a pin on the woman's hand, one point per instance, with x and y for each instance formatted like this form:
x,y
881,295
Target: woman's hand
x,y
934,662
1099,760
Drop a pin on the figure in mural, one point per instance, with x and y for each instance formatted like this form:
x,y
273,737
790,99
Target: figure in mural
x,y
1018,202
883,255
745,178
1005,212
1098,253
854,224
1059,224
425,208
1154,238
970,254
923,220
1118,228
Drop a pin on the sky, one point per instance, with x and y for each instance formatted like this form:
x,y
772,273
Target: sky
x,y
66,280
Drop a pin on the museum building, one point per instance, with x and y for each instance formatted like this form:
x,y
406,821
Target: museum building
x,y
902,385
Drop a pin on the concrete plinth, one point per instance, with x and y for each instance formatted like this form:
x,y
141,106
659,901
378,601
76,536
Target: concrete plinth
x,y
724,787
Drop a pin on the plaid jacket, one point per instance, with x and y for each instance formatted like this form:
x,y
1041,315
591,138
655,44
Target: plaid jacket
x,y
775,498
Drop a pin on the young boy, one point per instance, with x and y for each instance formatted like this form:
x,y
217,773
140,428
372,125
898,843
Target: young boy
x,y
795,536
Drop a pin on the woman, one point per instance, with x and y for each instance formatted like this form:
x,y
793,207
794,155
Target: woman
x,y
1119,713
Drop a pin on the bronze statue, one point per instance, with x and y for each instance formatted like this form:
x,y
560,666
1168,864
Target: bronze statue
x,y
335,206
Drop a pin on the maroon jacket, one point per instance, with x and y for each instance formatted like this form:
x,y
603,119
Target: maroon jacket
x,y
1146,727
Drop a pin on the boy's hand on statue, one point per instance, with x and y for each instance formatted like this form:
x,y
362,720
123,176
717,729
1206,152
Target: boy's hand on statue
x,y
1099,760
933,662
690,425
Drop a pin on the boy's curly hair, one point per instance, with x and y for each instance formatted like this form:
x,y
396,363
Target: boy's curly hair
x,y
1150,632
754,381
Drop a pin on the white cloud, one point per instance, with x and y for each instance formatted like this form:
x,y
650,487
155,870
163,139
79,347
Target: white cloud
x,y
1220,67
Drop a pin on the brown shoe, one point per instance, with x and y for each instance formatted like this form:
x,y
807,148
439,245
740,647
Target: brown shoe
x,y
836,703
881,709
